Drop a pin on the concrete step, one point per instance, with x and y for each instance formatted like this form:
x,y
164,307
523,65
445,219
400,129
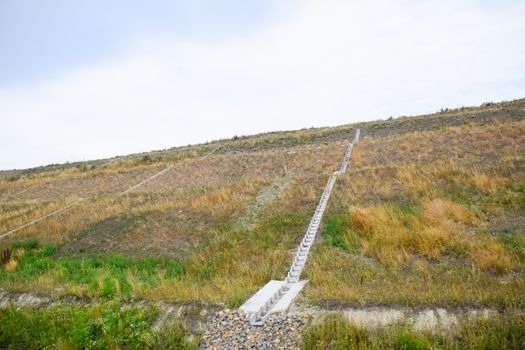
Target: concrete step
x,y
292,279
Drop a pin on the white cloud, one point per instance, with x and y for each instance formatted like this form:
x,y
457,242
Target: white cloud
x,y
333,62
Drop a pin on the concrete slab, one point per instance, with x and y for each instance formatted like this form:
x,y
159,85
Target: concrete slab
x,y
283,304
265,293
258,299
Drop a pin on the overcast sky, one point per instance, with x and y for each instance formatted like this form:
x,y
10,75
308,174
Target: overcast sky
x,y
82,80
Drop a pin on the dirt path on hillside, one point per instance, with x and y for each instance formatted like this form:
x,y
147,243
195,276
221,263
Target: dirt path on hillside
x,y
264,198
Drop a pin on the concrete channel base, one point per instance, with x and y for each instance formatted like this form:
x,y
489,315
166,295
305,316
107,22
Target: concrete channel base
x,y
256,302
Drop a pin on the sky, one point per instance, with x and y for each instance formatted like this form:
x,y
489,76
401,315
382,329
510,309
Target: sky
x,y
83,80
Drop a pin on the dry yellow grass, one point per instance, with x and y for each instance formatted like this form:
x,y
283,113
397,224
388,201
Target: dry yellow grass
x,y
489,184
337,276
19,252
492,256
165,222
440,212
362,219
426,210
10,266
176,213
394,237
423,208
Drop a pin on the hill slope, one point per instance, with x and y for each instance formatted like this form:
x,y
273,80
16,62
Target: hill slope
x,y
430,212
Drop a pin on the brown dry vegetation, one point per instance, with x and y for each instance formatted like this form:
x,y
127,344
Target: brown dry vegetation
x,y
432,217
431,211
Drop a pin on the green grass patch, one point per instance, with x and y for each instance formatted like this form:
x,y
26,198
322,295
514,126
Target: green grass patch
x,y
27,244
100,275
499,332
334,232
101,326
513,242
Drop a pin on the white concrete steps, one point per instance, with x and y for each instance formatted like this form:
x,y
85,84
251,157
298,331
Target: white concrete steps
x,y
283,292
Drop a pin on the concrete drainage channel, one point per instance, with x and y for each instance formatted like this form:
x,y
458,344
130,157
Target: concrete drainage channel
x,y
276,296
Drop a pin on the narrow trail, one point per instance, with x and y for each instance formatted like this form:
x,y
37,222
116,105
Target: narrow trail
x,y
264,198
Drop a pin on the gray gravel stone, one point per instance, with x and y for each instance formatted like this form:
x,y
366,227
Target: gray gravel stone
x,y
230,329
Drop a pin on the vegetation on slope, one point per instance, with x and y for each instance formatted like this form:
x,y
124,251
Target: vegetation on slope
x,y
101,326
438,219
501,332
431,212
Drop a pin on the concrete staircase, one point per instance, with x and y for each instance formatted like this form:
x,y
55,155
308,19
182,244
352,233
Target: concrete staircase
x,y
281,289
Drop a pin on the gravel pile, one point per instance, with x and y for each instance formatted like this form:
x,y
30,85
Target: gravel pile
x,y
230,329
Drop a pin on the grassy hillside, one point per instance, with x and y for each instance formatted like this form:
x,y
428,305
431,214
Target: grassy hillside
x,y
431,212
